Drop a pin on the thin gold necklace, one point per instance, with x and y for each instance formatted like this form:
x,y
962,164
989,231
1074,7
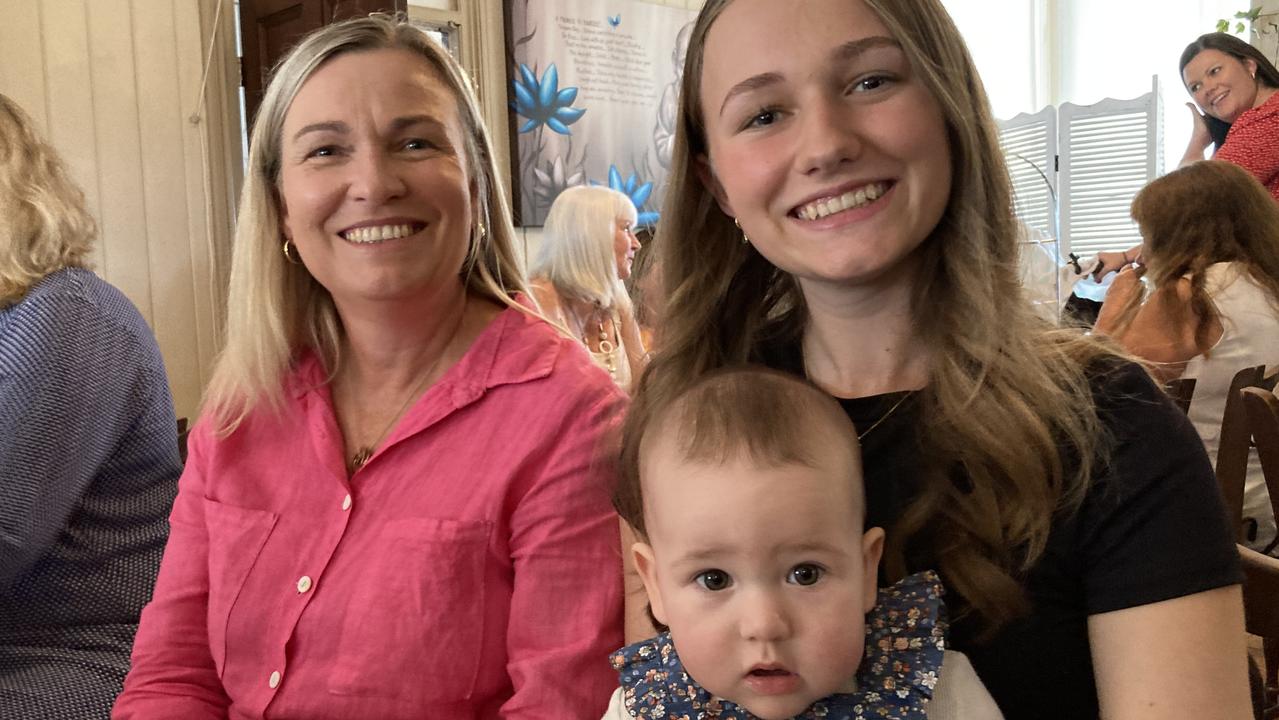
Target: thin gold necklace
x,y
363,453
884,417
808,376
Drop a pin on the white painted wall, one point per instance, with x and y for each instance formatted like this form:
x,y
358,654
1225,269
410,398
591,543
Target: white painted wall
x,y
113,84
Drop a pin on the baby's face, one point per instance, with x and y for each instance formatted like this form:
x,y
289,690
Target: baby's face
x,y
763,575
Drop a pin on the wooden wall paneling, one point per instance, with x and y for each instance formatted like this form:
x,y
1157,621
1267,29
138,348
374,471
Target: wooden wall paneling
x,y
22,72
221,125
191,57
164,191
69,99
114,110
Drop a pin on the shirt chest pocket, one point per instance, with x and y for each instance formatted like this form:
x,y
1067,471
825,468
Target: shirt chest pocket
x,y
236,537
414,624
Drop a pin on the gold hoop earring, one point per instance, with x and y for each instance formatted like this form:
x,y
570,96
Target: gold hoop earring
x,y
745,240
291,253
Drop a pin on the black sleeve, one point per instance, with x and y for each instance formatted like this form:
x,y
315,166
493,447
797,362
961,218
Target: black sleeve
x,y
1152,526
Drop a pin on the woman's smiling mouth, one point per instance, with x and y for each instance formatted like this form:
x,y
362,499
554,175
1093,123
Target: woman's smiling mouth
x,y
372,234
825,207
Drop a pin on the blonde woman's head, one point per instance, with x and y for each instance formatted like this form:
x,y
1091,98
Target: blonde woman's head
x,y
276,309
577,253
44,225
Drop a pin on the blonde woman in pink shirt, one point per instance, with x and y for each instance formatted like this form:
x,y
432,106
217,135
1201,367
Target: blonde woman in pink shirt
x,y
392,507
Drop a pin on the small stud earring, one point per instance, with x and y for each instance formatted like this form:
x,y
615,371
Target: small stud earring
x,y
745,240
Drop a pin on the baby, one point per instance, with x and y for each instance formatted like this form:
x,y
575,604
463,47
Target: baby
x,y
746,493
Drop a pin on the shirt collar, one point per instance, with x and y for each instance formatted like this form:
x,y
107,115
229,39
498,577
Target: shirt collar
x,y
515,348
905,640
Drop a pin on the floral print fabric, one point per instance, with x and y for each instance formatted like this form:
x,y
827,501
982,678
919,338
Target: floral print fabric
x,y
905,639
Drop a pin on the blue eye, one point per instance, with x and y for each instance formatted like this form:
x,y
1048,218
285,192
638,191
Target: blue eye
x,y
713,580
762,118
805,574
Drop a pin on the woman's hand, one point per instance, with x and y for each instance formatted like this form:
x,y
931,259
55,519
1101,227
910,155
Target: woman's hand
x,y
1200,138
1109,261
1125,284
1118,297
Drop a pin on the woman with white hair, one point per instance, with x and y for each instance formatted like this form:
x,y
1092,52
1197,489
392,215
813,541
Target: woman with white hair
x,y
392,507
587,251
88,447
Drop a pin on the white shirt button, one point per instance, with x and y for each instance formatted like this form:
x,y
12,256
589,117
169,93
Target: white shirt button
x,y
304,583
274,681
346,502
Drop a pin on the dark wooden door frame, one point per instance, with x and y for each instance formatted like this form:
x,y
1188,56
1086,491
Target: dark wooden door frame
x,y
269,28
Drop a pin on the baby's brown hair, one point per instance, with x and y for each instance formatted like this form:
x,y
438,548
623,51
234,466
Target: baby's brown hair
x,y
770,417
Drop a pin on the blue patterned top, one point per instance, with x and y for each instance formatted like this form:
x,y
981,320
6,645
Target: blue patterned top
x,y
905,640
88,472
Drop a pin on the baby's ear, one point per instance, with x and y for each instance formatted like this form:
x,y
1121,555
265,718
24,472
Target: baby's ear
x,y
646,566
872,551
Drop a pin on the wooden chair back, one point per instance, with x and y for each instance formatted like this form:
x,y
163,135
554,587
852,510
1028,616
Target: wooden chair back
x,y
1232,450
1181,391
1261,610
1263,423
1260,592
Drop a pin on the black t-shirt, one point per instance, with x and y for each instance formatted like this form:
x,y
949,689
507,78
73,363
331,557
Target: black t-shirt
x,y
1151,527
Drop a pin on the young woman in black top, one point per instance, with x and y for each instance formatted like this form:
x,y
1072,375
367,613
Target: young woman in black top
x,y
838,207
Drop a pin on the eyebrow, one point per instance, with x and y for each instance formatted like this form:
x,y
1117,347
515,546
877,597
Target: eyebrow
x,y
844,53
715,551
397,125
331,126
1204,74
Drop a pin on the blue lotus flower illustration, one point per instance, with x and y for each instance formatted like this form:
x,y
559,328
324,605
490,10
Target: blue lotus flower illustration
x,y
638,193
615,20
543,103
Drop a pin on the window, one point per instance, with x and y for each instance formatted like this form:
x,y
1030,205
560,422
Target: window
x,y
1033,53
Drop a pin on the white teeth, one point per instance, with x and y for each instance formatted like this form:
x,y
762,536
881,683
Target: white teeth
x,y
377,233
849,200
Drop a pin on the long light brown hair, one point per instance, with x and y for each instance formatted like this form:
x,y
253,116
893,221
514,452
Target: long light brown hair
x,y
1207,212
1007,399
44,226
275,309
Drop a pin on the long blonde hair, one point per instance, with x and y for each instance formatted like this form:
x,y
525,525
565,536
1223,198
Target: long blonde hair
x,y
576,253
1207,212
275,308
44,226
1007,396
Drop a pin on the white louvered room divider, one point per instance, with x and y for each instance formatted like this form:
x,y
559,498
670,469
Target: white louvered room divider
x,y
1075,169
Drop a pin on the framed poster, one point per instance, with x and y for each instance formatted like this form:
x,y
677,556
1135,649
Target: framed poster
x,y
593,89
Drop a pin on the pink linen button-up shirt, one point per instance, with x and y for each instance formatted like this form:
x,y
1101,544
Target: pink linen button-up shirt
x,y
470,570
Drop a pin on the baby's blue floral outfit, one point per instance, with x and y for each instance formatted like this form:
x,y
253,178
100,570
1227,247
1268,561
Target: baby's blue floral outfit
x,y
905,639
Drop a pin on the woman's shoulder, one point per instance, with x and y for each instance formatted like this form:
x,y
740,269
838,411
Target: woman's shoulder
x,y
530,348
545,294
78,307
1119,383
